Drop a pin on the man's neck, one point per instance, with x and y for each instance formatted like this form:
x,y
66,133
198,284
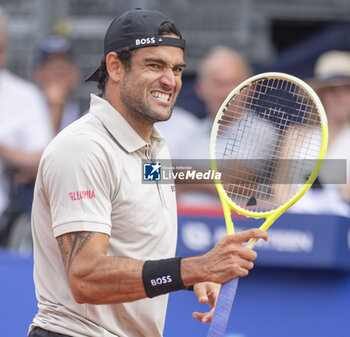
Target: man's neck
x,y
142,127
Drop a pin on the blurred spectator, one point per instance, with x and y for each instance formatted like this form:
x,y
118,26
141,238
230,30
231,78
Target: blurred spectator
x,y
57,75
218,74
331,81
188,137
24,132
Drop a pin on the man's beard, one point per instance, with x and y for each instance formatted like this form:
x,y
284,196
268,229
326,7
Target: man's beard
x,y
137,103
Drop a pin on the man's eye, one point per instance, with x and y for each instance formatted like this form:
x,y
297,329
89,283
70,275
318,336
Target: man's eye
x,y
154,66
179,69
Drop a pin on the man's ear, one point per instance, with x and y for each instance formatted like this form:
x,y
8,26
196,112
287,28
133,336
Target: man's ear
x,y
114,66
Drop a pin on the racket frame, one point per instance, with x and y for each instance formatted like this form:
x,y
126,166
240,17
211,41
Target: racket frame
x,y
228,289
271,215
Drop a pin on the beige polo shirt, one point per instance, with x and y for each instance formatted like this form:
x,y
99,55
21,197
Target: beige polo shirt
x,y
90,179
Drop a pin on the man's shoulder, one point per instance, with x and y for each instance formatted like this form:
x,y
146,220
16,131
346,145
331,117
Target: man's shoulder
x,y
85,134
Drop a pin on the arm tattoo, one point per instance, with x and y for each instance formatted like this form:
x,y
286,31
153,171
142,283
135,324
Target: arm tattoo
x,y
62,247
76,242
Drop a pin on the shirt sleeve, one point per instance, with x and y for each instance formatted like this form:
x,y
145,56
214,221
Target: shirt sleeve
x,y
78,187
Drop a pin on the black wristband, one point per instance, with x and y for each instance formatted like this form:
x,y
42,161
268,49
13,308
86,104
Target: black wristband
x,y
162,276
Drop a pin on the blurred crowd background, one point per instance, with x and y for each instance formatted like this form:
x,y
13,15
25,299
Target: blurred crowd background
x,y
271,35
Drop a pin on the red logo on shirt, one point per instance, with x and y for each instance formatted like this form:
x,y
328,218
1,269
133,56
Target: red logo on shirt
x,y
79,195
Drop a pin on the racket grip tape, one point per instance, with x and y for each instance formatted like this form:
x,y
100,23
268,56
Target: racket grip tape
x,y
251,243
223,308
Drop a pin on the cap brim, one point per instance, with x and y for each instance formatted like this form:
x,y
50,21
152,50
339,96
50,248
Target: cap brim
x,y
328,81
93,76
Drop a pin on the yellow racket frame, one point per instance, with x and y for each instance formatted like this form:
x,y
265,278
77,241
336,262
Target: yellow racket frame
x,y
272,215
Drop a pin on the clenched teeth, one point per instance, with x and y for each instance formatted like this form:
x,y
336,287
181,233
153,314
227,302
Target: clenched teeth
x,y
161,96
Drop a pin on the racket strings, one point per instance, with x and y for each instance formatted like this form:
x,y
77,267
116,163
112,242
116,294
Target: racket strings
x,y
268,142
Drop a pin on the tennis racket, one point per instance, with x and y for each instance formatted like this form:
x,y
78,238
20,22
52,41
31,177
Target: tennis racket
x,y
268,142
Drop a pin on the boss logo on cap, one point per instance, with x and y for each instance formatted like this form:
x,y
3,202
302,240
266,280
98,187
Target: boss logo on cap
x,y
148,40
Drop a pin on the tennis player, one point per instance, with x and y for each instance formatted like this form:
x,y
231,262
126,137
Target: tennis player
x,y
104,243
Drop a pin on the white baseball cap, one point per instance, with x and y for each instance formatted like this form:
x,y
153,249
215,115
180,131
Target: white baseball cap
x,y
332,68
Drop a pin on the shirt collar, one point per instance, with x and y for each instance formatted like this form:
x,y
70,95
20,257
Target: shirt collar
x,y
118,126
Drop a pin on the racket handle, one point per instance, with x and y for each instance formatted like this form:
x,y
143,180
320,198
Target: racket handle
x,y
251,243
223,308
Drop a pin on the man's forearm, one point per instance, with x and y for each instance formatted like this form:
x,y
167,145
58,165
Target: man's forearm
x,y
110,280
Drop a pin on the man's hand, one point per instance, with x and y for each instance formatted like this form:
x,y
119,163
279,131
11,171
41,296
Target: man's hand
x,y
228,259
207,292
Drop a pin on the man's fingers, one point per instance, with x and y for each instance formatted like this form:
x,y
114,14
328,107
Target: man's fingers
x,y
205,317
247,265
201,293
249,234
199,316
229,258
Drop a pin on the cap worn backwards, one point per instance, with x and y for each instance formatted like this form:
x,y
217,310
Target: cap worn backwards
x,y
134,29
